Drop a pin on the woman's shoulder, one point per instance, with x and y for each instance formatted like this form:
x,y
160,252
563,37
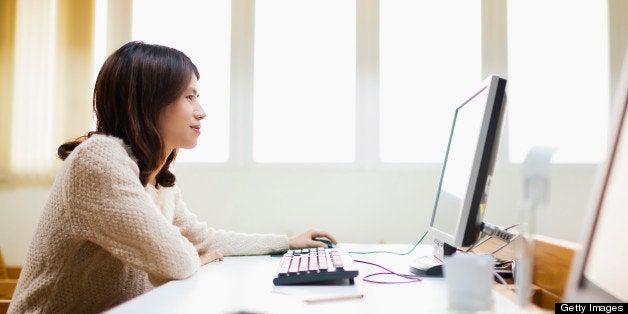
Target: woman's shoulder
x,y
104,142
101,149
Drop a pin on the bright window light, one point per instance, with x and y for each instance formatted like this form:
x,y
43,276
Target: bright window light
x,y
202,31
304,81
558,86
100,42
34,112
430,62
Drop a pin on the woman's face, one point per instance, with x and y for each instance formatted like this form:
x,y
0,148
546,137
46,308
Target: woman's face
x,y
179,123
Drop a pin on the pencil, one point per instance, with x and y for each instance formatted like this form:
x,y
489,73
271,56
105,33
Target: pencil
x,y
338,298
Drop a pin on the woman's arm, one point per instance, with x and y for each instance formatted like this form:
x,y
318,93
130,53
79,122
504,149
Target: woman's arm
x,y
109,206
207,239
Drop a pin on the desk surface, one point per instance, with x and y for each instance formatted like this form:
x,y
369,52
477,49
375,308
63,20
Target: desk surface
x,y
244,285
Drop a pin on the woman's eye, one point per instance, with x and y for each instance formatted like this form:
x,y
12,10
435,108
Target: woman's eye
x,y
190,97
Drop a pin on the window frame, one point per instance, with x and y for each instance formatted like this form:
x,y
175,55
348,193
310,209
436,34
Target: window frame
x,y
367,140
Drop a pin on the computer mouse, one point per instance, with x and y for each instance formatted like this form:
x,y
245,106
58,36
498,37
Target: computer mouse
x,y
326,241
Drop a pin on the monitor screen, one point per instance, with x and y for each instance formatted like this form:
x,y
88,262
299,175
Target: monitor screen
x,y
471,151
599,270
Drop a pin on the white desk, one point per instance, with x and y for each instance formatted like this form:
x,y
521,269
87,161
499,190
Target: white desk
x,y
244,285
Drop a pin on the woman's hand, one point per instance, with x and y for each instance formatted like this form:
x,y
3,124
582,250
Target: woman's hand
x,y
209,257
306,239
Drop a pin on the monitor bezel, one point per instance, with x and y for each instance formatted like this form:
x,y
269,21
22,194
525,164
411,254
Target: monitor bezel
x,y
469,222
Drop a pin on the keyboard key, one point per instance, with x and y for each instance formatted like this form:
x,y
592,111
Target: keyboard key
x,y
294,266
304,263
313,262
336,260
285,265
322,261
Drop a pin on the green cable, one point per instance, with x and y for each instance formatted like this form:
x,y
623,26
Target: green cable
x,y
388,252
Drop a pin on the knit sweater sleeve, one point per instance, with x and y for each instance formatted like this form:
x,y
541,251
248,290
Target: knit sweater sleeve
x,y
207,239
109,206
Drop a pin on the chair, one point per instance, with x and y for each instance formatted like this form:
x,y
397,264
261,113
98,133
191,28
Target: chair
x,y
3,268
7,286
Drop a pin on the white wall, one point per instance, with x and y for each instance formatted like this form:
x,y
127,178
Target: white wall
x,y
391,205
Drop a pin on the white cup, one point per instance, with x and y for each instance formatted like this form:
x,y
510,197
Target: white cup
x,y
469,279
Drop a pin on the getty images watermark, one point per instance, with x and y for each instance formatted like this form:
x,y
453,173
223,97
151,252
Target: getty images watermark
x,y
590,307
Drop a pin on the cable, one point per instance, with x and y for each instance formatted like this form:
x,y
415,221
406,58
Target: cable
x,y
504,245
411,278
415,278
477,243
502,281
396,253
487,237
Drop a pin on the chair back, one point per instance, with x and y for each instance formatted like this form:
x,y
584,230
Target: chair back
x,y
3,268
7,286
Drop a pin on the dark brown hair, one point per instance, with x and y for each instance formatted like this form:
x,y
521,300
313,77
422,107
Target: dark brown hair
x,y
134,84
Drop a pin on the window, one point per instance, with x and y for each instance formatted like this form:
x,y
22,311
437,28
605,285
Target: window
x,y
304,81
100,39
34,131
559,77
203,33
430,57
363,82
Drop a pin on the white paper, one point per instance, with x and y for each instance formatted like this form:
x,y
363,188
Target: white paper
x,y
320,293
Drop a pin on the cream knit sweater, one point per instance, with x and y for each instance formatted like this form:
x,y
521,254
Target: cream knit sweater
x,y
103,238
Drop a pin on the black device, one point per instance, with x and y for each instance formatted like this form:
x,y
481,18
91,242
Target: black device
x,y
326,241
466,174
316,265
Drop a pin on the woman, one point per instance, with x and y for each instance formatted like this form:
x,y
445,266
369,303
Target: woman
x,y
115,225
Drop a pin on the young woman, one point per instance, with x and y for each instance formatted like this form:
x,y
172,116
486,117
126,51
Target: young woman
x,y
115,224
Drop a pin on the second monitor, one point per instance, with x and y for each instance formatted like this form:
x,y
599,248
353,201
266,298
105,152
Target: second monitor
x,y
465,177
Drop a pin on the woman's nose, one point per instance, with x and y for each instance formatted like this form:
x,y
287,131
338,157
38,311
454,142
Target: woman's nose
x,y
199,113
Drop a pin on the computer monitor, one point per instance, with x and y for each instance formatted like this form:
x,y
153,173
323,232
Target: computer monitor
x,y
465,177
599,272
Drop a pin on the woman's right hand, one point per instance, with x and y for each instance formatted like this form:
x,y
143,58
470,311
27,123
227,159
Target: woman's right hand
x,y
209,257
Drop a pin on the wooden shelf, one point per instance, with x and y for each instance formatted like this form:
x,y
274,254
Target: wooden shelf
x,y
552,263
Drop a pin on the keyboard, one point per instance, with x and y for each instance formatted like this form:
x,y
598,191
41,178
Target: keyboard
x,y
315,265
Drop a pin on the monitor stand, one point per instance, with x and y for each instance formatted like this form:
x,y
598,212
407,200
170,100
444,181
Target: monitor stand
x,y
428,266
432,266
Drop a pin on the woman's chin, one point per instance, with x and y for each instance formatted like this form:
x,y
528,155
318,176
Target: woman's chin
x,y
188,145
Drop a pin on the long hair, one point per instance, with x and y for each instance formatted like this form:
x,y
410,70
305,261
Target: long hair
x,y
133,86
